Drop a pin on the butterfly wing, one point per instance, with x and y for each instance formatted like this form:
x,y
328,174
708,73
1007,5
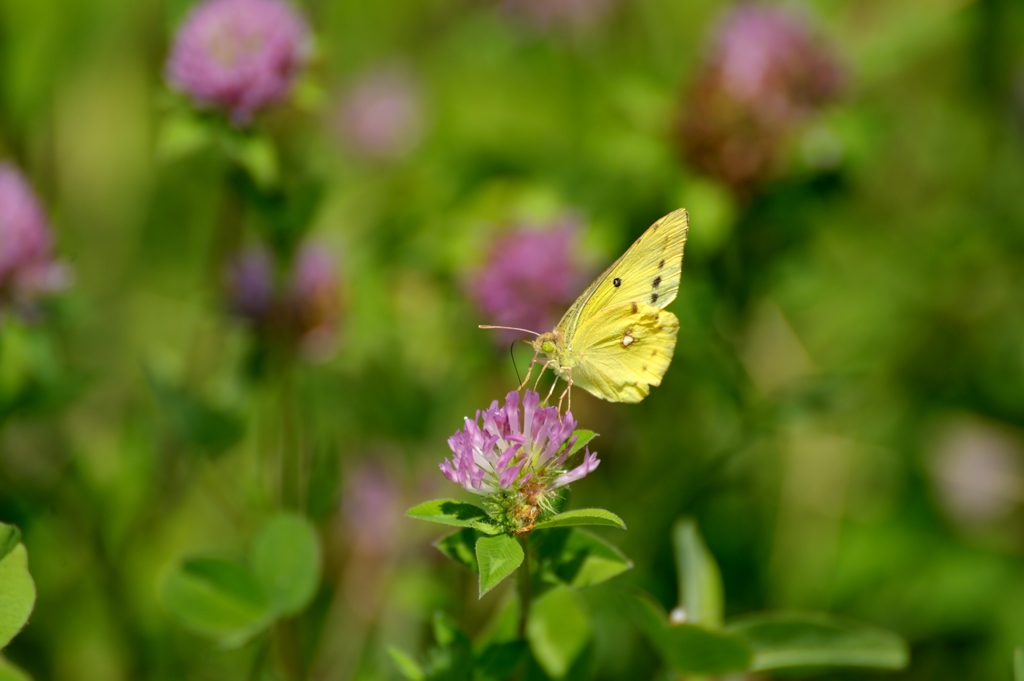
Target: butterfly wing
x,y
620,352
649,273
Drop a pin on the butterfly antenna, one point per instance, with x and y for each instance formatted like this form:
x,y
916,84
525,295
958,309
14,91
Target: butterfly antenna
x,y
511,351
508,328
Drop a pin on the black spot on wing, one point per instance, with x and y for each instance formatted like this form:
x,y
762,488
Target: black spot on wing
x,y
617,282
657,281
661,264
654,298
635,307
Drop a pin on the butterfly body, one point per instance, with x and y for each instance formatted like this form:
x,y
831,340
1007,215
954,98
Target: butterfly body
x,y
616,341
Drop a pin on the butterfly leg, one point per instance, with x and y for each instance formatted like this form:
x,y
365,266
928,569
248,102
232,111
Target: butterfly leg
x,y
529,372
552,390
566,393
541,374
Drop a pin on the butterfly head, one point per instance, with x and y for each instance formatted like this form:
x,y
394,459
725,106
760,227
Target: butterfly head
x,y
546,343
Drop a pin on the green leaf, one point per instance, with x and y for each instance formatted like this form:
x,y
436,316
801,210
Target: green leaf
x,y
9,672
691,649
286,560
207,428
582,516
10,535
452,659
460,547
218,598
498,557
1018,664
701,599
17,593
447,633
583,437
452,512
694,650
498,661
503,625
181,134
407,666
798,639
256,154
558,630
577,558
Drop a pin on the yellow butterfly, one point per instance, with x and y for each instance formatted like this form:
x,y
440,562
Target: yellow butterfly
x,y
616,340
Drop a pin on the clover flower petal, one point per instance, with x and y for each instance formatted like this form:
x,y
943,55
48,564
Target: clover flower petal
x,y
505,449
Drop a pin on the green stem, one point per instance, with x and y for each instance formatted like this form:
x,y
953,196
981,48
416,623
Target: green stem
x,y
523,586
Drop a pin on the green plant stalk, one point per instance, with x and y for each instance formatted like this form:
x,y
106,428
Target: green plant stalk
x,y
523,587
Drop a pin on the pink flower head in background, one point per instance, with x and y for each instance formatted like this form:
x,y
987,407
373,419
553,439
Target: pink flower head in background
x,y
529,279
238,55
305,309
764,76
249,279
380,116
27,265
520,453
371,508
313,298
546,14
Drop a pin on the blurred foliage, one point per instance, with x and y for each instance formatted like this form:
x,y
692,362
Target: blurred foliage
x,y
847,331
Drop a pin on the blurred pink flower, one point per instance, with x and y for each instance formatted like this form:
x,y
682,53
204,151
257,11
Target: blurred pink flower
x,y
529,279
238,55
371,506
765,74
313,297
306,309
381,115
249,280
27,266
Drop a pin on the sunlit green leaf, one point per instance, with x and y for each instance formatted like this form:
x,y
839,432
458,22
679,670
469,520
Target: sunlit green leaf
x,y
17,593
286,561
798,639
700,582
452,512
558,630
582,516
218,598
577,558
497,558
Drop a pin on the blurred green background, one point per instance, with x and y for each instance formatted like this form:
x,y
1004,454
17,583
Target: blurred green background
x,y
843,414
